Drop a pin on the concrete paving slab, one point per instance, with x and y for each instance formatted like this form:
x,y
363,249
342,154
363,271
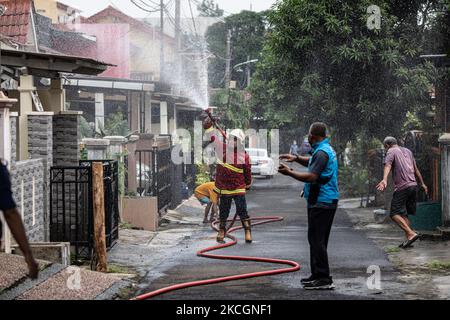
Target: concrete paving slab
x,y
71,284
27,284
13,269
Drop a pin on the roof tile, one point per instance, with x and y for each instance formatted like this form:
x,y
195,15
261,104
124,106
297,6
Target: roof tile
x,y
15,22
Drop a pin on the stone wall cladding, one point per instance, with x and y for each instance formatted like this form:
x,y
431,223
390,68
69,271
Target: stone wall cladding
x,y
66,139
13,139
40,138
40,146
23,173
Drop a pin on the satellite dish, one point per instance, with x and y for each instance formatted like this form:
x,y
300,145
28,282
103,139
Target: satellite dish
x,y
2,9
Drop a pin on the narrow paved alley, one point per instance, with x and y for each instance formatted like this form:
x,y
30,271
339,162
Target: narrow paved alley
x,y
351,254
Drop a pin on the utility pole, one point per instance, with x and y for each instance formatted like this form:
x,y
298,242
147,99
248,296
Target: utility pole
x,y
161,34
249,75
228,57
178,62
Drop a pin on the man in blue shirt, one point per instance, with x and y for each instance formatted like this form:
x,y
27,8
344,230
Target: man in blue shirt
x,y
322,194
14,220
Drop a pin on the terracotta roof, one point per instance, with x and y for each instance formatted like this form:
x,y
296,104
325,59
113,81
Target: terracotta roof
x,y
110,11
16,20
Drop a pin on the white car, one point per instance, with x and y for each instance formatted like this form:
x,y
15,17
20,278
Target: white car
x,y
262,164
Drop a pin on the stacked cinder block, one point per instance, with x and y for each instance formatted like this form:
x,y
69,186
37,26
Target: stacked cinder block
x,y
40,137
40,146
66,137
28,184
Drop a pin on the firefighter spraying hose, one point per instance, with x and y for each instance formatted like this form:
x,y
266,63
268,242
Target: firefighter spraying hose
x,y
233,178
233,175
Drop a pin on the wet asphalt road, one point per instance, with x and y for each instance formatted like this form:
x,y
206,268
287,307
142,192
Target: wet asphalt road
x,y
350,254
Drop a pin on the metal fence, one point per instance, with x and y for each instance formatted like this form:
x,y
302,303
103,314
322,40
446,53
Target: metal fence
x,y
189,173
153,170
71,206
157,176
111,189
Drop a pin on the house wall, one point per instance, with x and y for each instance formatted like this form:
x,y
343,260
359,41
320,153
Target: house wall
x,y
113,46
50,8
145,51
47,8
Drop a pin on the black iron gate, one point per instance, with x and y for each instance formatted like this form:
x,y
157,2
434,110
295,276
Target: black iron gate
x,y
71,206
111,189
153,170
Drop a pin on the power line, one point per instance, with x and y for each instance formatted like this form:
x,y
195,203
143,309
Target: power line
x,y
153,10
192,16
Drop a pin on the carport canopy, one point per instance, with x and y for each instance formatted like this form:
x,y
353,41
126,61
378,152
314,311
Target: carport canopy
x,y
50,65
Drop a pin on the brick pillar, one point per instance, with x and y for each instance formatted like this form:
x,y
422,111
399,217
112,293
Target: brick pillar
x,y
66,138
131,165
40,136
444,142
26,105
40,146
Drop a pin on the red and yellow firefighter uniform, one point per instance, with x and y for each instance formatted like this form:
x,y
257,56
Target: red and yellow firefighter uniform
x,y
233,177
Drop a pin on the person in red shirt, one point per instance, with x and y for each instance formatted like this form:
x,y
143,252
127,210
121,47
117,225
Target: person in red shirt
x,y
233,177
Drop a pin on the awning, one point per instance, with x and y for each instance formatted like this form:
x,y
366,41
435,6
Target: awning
x,y
50,65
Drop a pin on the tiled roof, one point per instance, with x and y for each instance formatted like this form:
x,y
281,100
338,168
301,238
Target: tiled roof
x,y
16,20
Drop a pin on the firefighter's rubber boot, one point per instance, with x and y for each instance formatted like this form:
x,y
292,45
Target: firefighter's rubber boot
x,y
246,223
222,231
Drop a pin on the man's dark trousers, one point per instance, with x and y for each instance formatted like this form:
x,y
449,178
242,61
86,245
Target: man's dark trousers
x,y
225,206
320,221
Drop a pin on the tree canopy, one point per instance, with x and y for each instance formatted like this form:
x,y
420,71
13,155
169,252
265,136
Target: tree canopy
x,y
247,37
208,8
321,61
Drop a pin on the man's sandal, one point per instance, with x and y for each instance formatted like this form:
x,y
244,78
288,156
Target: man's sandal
x,y
408,243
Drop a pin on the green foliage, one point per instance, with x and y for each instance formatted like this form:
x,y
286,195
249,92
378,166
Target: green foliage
x,y
116,125
439,265
354,178
392,249
203,174
115,268
125,225
353,182
235,111
247,35
121,171
85,128
83,153
209,8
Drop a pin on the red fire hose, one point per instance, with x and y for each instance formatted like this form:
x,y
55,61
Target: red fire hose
x,y
294,266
